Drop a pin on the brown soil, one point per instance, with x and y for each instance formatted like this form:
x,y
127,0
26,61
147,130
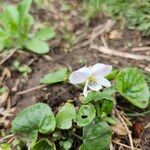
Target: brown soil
x,y
56,95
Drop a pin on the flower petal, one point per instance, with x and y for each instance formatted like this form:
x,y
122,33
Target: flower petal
x,y
95,86
79,76
103,81
101,69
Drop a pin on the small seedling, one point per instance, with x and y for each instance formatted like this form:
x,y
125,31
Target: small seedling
x,y
24,69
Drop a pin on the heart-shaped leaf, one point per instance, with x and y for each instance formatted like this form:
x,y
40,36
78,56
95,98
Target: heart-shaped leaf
x,y
65,116
85,115
37,117
97,136
97,96
131,84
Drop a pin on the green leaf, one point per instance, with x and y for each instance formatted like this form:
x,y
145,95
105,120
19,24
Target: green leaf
x,y
107,106
5,146
65,116
10,19
112,75
59,75
96,135
37,46
85,115
25,25
24,69
111,120
3,34
37,117
24,7
67,144
33,136
110,90
45,34
11,13
96,96
131,84
44,144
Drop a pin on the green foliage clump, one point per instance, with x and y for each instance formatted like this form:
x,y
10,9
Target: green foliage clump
x,y
16,23
136,13
24,69
93,116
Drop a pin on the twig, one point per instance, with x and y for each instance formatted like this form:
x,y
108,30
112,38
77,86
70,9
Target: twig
x,y
124,145
6,137
136,49
91,36
30,90
104,42
109,51
76,135
99,30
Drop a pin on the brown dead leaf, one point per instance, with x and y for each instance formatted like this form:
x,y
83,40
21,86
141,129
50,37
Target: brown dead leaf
x,y
6,73
119,129
6,115
137,129
3,98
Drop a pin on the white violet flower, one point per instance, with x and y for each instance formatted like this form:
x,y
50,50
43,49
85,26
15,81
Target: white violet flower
x,y
92,76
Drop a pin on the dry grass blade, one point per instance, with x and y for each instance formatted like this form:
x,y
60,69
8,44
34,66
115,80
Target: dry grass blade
x,y
89,37
119,129
101,29
30,90
123,145
6,137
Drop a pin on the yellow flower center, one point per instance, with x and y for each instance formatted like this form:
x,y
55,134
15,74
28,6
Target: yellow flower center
x,y
91,79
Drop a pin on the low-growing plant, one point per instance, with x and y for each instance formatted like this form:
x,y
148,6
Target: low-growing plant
x,y
93,117
15,30
136,13
24,69
91,8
